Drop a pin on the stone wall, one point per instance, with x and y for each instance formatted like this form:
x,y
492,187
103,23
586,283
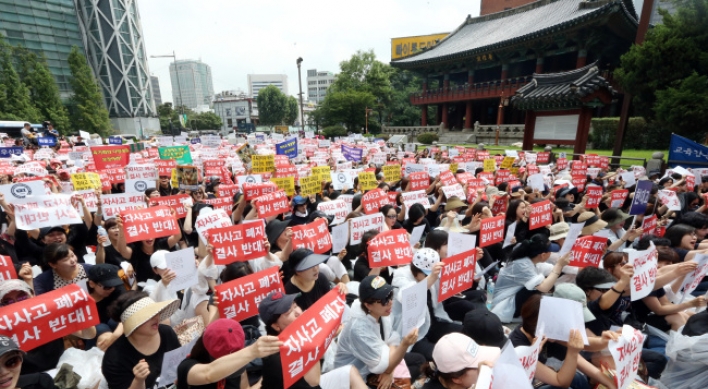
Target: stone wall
x,y
481,133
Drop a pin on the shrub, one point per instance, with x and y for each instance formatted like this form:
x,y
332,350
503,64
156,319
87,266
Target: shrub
x,y
637,135
427,138
333,131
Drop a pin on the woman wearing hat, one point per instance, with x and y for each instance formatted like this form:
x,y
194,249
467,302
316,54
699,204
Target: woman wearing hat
x,y
457,360
616,234
218,357
105,286
135,360
307,281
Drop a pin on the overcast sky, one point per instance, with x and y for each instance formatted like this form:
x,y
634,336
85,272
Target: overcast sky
x,y
237,38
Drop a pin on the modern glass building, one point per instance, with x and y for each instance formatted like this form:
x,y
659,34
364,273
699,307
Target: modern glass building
x,y
48,27
195,87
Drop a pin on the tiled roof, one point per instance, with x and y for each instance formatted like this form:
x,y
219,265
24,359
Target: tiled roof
x,y
540,18
564,89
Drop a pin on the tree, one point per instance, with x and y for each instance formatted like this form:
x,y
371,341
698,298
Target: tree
x,y
15,102
293,109
44,92
207,121
667,73
400,112
272,106
89,110
347,108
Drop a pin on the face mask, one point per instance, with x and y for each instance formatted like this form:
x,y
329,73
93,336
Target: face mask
x,y
300,214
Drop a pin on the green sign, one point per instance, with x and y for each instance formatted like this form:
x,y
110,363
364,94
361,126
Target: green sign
x,y
179,153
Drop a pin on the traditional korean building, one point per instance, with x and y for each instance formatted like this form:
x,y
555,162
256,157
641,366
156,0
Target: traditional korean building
x,y
470,75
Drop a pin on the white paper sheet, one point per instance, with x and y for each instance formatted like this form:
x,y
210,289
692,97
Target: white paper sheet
x,y
414,303
558,316
510,231
170,362
182,263
340,236
458,242
416,234
573,234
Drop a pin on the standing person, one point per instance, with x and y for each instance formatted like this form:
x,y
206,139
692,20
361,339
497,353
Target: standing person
x,y
29,137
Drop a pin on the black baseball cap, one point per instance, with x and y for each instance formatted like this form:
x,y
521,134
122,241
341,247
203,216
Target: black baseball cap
x,y
105,274
8,345
303,259
47,230
274,229
484,327
274,305
374,288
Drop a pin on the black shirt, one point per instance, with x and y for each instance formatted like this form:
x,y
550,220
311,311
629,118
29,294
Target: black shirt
x,y
112,256
231,382
641,311
273,375
433,384
121,357
606,319
103,305
141,261
36,381
43,358
307,299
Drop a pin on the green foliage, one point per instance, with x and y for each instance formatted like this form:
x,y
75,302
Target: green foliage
x,y
333,131
400,111
666,74
169,115
427,138
44,92
347,108
89,111
291,113
206,121
640,134
272,106
15,103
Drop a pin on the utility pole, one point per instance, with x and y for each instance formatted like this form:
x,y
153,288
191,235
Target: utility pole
x,y
299,80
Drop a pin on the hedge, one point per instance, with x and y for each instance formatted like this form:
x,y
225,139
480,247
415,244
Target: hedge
x,y
639,135
427,138
333,131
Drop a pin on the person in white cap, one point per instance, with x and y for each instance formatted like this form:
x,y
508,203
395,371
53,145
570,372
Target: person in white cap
x,y
457,359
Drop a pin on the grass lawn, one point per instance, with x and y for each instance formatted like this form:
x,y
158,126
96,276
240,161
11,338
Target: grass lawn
x,y
645,154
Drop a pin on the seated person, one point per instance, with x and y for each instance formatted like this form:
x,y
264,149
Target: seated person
x,y
457,359
11,358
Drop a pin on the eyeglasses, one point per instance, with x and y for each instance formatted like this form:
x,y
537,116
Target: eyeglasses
x,y
7,302
13,362
390,216
386,300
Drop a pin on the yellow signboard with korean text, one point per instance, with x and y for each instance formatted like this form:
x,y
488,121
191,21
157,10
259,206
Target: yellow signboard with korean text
x,y
407,46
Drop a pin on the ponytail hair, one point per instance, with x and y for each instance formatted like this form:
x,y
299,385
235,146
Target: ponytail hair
x,y
536,245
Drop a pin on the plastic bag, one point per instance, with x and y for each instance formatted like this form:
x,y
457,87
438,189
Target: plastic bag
x,y
688,358
87,364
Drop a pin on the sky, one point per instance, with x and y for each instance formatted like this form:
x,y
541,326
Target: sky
x,y
237,37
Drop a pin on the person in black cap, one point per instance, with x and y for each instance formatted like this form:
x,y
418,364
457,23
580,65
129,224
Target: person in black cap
x,y
484,327
30,250
105,286
307,281
11,358
279,236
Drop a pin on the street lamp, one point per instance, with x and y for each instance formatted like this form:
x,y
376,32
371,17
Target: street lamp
x,y
299,80
366,118
179,86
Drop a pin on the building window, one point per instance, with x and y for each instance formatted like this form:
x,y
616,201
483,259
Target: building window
x,y
229,123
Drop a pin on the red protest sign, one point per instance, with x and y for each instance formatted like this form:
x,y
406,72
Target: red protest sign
x,y
227,190
579,182
251,191
464,178
587,251
148,223
237,243
105,181
489,176
239,299
503,175
7,269
175,202
165,166
500,205
604,162
272,204
482,155
418,181
373,200
447,178
533,169
107,157
314,236
457,275
286,171
225,203
579,169
592,160
543,157
307,338
115,175
491,231
593,196
541,215
562,163
690,182
52,315
649,225
390,248
618,197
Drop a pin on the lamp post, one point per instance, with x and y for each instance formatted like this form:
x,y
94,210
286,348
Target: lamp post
x,y
179,86
299,80
366,118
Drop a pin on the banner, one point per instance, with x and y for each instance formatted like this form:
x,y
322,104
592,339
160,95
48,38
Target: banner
x,y
392,173
359,225
593,196
46,141
84,181
287,148
115,140
314,236
139,178
541,215
618,197
687,153
491,231
175,202
352,153
113,204
271,204
239,298
21,190
149,223
181,154
372,201
645,269
223,203
107,157
627,354
49,316
263,163
45,211
390,248
7,152
588,251
367,181
670,199
307,338
238,243
165,167
7,269
458,274
251,191
340,180
641,197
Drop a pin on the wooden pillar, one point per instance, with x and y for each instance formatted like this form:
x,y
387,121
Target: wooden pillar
x,y
529,128
504,74
446,81
444,116
424,115
438,115
470,77
539,65
468,115
583,131
425,85
582,58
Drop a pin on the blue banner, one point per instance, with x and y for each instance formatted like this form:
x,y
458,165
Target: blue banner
x,y
687,153
115,140
641,197
49,141
352,153
194,141
287,148
7,152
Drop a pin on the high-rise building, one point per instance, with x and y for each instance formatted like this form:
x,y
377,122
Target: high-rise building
x,y
47,27
317,84
257,82
195,87
155,83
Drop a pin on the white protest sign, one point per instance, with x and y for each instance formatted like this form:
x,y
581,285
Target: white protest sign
x,y
340,237
557,316
528,356
210,140
340,180
211,218
510,231
454,190
22,190
90,199
573,234
171,360
471,167
670,199
690,283
645,269
416,197
32,169
45,211
536,181
628,178
511,153
336,208
113,204
138,178
417,233
182,263
626,352
414,303
359,225
530,158
414,168
249,179
458,242
433,170
508,371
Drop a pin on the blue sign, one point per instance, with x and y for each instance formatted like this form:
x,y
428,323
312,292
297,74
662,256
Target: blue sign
x,y
7,152
352,153
115,140
287,148
260,138
194,141
687,153
49,141
641,197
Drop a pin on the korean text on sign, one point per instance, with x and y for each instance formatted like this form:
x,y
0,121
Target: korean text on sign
x,y
492,231
272,204
314,236
41,319
372,201
587,251
627,353
7,269
359,225
238,243
239,299
457,275
149,223
645,269
308,337
541,215
390,248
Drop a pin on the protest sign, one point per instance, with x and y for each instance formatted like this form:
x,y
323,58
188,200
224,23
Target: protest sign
x,y
187,177
223,203
252,191
7,152
359,225
618,197
491,231
107,157
649,224
227,190
115,175
181,154
175,202
670,199
7,269
392,173
314,236
641,197
454,190
341,180
562,163
447,178
593,196
579,182
390,248
46,141
83,181
208,219
307,338
557,316
171,360
588,251
528,356
541,215
367,181
645,269
457,275
286,184
263,163
239,299
113,204
418,181
250,179
272,204
694,278
287,148
182,264
490,165
340,237
627,354
352,153
322,173
310,186
22,190
238,243
149,223
48,316
413,306
372,201
45,211
138,178
90,200
416,197
336,208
